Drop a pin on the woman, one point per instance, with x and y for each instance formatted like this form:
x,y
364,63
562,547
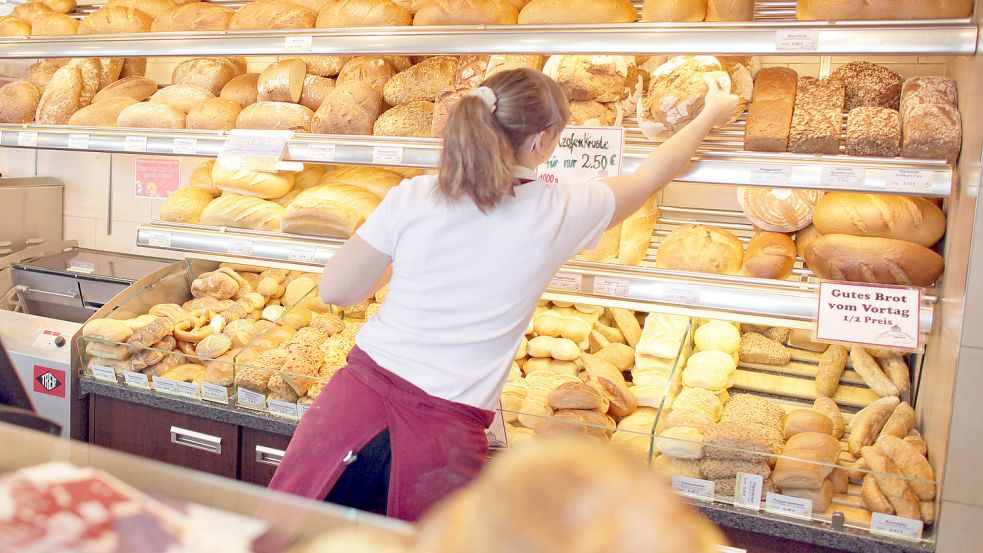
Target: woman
x,y
470,252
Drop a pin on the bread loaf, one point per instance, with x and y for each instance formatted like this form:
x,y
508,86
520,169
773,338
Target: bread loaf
x,y
818,451
38,74
233,210
197,16
184,205
798,421
133,67
260,184
183,97
115,20
466,12
18,102
910,218
242,89
53,23
873,132
153,8
730,10
636,233
595,114
101,114
281,116
497,64
91,69
314,6
701,248
371,179
770,255
817,120
322,66
778,209
607,248
869,85
805,237
881,10
272,14
877,260
657,11
371,70
60,6
932,131
31,11
676,94
363,13
201,178
600,78
61,98
928,90
14,26
422,82
769,118
577,12
282,81
329,210
109,71
210,74
414,119
351,108
315,90
151,115
135,88
214,114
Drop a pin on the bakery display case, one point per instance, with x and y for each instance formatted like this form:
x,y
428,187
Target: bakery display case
x,y
700,351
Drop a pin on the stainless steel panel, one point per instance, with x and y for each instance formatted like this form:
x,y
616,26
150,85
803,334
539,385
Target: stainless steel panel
x,y
30,212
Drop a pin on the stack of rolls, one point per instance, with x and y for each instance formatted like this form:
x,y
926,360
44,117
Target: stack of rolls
x,y
814,476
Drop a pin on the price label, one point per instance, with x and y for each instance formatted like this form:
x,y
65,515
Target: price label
x,y
298,43
770,175
838,176
869,315
567,282
693,487
321,152
788,506
747,491
27,139
135,144
239,247
681,293
166,386
159,239
282,408
585,153
796,40
135,379
895,527
188,389
301,254
101,372
214,393
250,399
255,150
915,181
78,142
609,286
387,155
185,146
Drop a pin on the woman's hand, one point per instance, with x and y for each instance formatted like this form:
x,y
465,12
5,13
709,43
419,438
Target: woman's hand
x,y
719,105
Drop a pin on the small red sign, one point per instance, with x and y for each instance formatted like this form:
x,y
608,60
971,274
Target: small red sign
x,y
50,382
155,177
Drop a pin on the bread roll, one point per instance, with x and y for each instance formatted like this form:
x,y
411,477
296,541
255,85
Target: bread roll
x,y
14,26
656,11
891,482
50,24
31,11
182,97
900,423
831,410
61,98
912,464
272,14
466,12
820,498
201,178
701,248
18,102
210,74
908,218
807,420
899,373
413,120
133,67
115,20
275,116
323,66
282,81
233,210
242,89
329,210
134,88
101,114
730,10
577,12
818,451
422,82
830,370
184,205
877,260
867,424
214,114
843,10
363,13
769,255
151,115
38,74
676,94
372,70
60,6
351,108
197,16
315,90
376,180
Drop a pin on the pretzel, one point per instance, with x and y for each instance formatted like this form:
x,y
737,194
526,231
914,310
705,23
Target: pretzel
x,y
192,330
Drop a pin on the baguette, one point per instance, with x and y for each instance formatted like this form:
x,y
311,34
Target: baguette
x,y
867,424
900,423
910,218
100,114
897,370
895,488
769,255
871,373
831,367
877,260
18,102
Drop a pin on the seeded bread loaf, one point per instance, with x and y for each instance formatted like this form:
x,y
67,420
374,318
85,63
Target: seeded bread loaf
x,y
817,120
932,131
869,85
422,82
873,132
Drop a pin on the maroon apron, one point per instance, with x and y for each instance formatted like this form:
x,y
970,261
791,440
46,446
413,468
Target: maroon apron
x,y
437,445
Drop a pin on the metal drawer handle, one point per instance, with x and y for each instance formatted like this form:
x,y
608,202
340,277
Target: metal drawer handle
x,y
73,296
196,440
269,456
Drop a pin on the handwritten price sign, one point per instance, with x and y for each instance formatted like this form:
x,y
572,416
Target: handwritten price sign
x,y
585,153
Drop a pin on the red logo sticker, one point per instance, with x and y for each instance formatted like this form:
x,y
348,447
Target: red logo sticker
x,y
50,382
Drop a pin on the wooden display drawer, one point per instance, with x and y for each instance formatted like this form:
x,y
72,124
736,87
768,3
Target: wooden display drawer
x,y
260,455
165,436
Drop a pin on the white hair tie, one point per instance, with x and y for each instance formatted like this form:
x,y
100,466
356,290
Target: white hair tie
x,y
487,96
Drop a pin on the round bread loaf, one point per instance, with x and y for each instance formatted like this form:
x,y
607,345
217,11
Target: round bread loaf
x,y
182,97
701,248
413,119
371,70
115,20
54,23
60,6
869,85
577,12
101,114
422,82
208,73
272,14
151,115
133,67
61,98
595,114
137,88
242,90
214,114
282,81
717,336
14,26
676,94
351,108
198,16
778,209
38,74
467,12
657,11
600,78
153,8
363,13
316,89
31,11
275,116
185,205
18,102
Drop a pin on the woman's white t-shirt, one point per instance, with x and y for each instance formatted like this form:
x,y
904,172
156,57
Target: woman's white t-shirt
x,y
465,283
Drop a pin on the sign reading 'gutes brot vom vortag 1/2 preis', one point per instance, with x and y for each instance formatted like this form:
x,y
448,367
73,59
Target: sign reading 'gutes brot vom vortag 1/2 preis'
x,y
869,315
585,153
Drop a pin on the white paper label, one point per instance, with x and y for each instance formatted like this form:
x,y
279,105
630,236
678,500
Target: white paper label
x,y
27,139
215,393
282,408
254,150
301,409
135,379
788,506
243,248
298,43
387,155
250,399
609,286
301,254
188,389
585,153
166,386
895,527
135,144
770,175
100,372
681,293
159,239
868,314
839,176
915,181
796,39
747,491
567,282
321,152
78,141
185,146
693,487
